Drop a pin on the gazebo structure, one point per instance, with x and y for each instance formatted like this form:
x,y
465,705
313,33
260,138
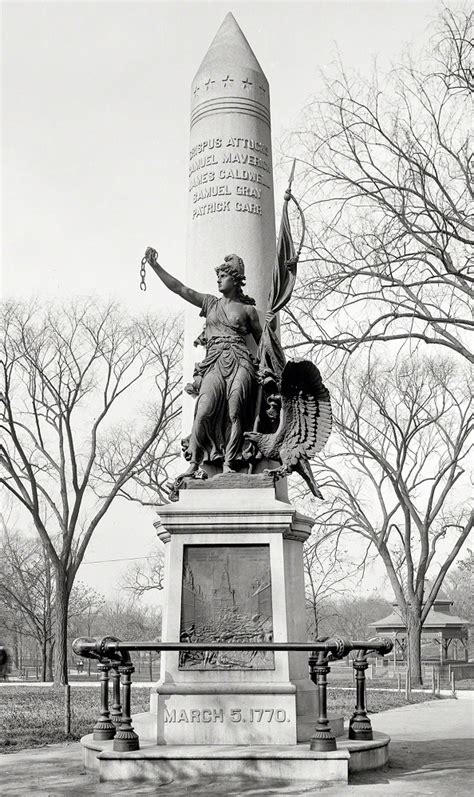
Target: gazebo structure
x,y
444,637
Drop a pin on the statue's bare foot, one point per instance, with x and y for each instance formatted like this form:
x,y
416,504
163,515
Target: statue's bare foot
x,y
227,468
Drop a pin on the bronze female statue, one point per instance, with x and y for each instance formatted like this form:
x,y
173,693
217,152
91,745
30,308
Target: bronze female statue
x,y
226,380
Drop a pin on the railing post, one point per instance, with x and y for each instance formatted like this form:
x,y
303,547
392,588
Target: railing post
x,y
360,727
322,739
116,713
125,738
104,727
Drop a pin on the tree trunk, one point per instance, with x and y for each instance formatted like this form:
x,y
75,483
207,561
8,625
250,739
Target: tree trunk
x,y
62,606
414,645
315,618
49,660
49,634
44,656
16,651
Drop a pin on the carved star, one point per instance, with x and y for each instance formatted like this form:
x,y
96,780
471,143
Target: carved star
x,y
262,88
196,89
246,83
209,84
227,80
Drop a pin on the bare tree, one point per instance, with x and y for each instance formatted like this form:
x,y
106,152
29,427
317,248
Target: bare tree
x,y
27,594
460,587
395,474
328,571
129,620
69,375
386,167
26,591
352,615
11,633
148,576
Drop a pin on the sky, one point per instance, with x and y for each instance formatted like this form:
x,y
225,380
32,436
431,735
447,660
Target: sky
x,y
95,131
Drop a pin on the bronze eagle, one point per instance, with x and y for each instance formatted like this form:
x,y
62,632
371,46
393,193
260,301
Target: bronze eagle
x,y
304,425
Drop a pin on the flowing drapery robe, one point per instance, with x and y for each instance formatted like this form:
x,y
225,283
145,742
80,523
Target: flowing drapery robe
x,y
225,405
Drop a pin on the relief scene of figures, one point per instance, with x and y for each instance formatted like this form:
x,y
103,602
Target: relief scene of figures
x,y
227,597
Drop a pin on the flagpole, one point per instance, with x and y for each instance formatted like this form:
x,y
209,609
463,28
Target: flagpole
x,y
290,181
286,198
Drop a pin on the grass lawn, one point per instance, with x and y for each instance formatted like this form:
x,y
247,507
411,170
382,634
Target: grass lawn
x,y
342,702
466,683
34,716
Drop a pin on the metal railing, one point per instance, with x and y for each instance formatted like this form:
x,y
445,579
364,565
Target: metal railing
x,y
114,659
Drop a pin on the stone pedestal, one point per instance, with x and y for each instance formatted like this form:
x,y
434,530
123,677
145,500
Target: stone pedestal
x,y
233,556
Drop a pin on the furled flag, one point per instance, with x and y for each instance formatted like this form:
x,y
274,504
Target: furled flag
x,y
270,353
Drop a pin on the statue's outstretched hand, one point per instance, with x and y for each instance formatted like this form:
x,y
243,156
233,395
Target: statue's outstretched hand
x,y
151,256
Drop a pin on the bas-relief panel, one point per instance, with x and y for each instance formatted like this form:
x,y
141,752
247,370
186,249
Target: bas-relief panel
x,y
226,597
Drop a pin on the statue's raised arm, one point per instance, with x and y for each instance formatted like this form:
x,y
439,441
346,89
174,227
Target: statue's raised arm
x,y
171,282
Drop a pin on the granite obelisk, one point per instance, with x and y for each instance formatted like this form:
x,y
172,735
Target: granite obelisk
x,y
231,203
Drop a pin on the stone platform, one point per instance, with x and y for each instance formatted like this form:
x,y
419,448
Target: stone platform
x,y
162,763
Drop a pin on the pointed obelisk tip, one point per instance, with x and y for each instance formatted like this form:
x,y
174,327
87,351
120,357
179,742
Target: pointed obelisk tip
x,y
230,26
230,17
230,46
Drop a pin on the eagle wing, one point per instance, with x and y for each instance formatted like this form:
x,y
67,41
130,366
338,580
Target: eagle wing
x,y
306,407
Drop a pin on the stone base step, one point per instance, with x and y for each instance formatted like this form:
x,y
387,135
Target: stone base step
x,y
296,763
